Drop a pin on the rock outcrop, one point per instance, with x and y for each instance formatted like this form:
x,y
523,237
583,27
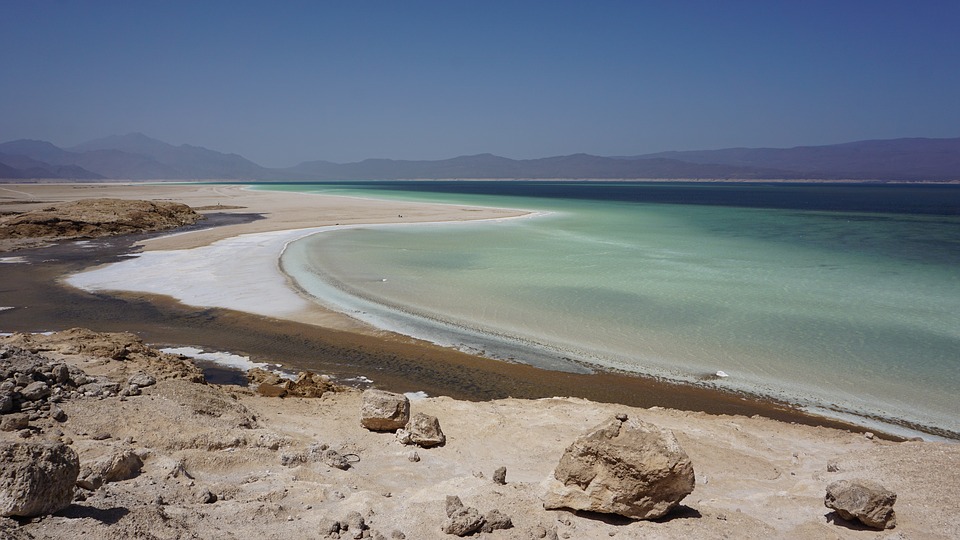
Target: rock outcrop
x,y
864,501
422,430
113,345
631,468
384,411
307,384
94,218
36,478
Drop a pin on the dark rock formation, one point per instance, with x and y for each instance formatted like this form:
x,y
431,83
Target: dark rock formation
x,y
94,218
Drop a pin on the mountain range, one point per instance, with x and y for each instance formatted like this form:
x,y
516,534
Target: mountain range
x,y
138,157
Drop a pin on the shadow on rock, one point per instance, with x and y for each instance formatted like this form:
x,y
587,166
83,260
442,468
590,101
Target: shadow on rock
x,y
835,519
108,516
680,512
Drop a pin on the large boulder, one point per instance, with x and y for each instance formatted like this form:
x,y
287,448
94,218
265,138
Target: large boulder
x,y
36,478
625,467
864,501
384,411
422,430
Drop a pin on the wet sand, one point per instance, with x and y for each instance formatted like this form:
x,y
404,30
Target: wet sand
x,y
342,348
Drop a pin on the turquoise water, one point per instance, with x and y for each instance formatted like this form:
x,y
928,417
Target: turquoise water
x,y
855,313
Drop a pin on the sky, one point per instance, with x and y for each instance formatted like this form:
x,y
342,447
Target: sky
x,y
286,82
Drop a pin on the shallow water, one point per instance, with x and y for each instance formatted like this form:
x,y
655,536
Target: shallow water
x,y
853,311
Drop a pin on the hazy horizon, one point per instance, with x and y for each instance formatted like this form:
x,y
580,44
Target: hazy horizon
x,y
435,80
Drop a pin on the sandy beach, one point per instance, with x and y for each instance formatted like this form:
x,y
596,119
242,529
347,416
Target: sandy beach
x,y
761,466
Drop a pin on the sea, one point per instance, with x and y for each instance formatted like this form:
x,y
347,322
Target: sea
x,y
842,299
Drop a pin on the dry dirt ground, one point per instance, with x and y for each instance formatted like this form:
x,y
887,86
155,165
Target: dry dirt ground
x,y
756,478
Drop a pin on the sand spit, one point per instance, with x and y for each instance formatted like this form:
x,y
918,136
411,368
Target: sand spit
x,y
280,218
213,463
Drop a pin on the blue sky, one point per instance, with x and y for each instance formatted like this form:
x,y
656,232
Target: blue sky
x,y
285,82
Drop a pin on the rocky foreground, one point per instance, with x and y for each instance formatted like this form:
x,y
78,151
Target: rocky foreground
x,y
133,443
91,218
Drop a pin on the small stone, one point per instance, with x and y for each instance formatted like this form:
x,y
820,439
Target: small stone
x,y
329,527
89,480
495,520
60,373
464,521
6,403
353,522
413,456
334,459
141,379
453,503
271,390
14,422
500,476
57,414
832,466
622,417
869,435
205,496
35,391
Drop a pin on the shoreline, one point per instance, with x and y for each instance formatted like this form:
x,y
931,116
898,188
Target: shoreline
x,y
215,458
314,316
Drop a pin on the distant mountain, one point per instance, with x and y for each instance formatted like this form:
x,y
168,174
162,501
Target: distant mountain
x,y
491,166
129,157
183,162
138,157
22,167
7,171
892,159
41,151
